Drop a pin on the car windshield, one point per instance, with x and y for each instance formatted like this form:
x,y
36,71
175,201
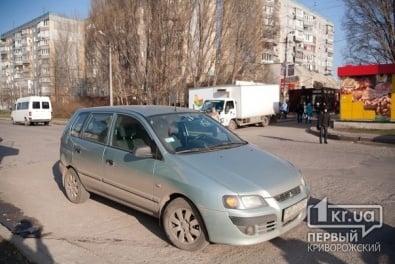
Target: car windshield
x,y
210,104
192,132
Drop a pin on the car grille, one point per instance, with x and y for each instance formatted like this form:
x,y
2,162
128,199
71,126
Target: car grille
x,y
287,195
267,227
261,224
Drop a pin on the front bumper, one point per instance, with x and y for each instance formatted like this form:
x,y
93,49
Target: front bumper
x,y
236,227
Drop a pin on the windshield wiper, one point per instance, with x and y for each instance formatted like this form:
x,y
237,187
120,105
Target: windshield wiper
x,y
193,150
226,145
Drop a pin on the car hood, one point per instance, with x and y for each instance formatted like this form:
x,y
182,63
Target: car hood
x,y
244,169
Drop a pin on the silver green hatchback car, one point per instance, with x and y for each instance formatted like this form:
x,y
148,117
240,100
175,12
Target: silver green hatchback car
x,y
203,182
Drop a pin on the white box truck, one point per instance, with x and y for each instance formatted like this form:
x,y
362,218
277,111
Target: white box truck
x,y
238,105
32,110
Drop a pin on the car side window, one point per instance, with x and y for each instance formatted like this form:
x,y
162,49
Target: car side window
x,y
77,126
97,127
129,134
229,106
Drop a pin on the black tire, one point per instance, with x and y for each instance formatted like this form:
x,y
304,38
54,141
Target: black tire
x,y
73,187
183,225
232,125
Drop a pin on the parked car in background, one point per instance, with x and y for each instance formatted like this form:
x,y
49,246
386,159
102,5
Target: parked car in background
x,y
32,110
202,181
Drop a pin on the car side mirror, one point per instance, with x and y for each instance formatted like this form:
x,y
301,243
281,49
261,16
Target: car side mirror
x,y
143,152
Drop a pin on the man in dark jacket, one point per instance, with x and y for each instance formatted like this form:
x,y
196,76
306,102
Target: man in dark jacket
x,y
323,124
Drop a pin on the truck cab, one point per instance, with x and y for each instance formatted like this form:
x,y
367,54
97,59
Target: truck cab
x,y
226,109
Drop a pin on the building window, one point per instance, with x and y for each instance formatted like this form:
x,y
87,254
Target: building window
x,y
267,57
268,10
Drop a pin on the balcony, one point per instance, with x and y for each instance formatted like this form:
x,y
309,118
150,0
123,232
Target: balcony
x,y
17,76
298,36
26,60
4,50
308,22
298,60
18,62
5,65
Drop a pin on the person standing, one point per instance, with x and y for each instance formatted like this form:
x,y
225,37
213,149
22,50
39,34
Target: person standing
x,y
323,124
214,114
299,111
284,109
309,112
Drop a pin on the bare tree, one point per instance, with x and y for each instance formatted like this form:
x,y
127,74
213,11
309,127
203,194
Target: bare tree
x,y
162,47
240,39
370,27
201,42
67,62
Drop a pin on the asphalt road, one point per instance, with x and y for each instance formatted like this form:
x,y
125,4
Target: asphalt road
x,y
340,173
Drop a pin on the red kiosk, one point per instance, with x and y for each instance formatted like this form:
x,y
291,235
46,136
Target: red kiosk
x,y
367,92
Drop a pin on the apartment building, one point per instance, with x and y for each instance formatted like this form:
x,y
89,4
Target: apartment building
x,y
298,52
44,56
297,35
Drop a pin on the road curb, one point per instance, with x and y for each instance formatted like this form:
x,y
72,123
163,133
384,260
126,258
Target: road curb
x,y
354,136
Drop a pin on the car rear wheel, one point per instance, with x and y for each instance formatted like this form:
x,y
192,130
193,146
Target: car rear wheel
x,y
75,191
184,226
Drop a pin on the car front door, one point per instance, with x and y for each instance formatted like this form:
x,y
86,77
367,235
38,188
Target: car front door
x,y
127,177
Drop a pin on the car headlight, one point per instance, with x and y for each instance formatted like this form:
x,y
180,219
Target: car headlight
x,y
243,202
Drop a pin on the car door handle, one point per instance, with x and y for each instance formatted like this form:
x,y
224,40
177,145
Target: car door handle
x,y
78,150
110,162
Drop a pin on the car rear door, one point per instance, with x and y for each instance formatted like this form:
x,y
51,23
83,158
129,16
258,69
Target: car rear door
x,y
88,150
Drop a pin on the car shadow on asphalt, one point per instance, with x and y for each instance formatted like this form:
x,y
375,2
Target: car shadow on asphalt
x,y
57,175
7,151
149,222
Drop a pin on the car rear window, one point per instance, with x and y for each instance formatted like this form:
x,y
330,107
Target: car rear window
x,y
36,104
45,105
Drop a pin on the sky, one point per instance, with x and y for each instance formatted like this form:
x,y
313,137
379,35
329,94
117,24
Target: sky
x,y
14,13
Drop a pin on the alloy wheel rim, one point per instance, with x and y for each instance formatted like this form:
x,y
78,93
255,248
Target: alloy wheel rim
x,y
184,226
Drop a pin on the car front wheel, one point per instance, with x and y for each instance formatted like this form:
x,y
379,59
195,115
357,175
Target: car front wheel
x,y
184,226
75,191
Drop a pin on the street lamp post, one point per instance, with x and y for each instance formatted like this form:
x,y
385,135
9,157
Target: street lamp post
x,y
109,70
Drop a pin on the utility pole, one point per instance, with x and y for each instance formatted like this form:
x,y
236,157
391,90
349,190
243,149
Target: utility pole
x,y
109,68
285,67
285,74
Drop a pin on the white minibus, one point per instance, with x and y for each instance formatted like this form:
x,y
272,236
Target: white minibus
x,y
32,110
